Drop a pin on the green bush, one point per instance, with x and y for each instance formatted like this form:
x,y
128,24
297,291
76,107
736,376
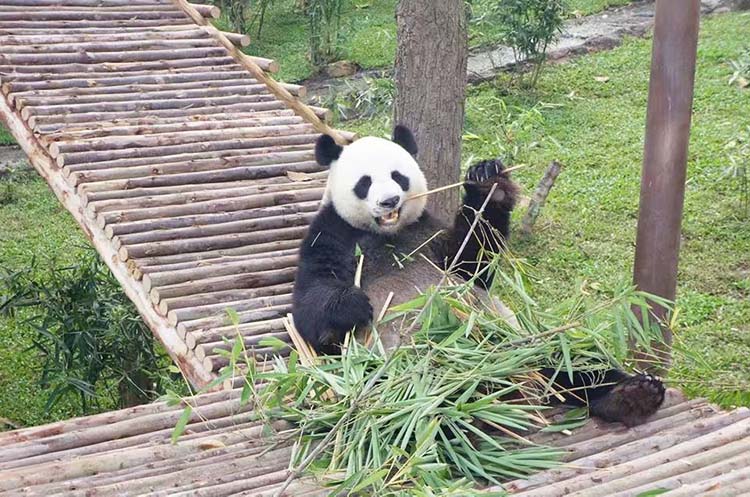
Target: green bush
x,y
93,343
324,17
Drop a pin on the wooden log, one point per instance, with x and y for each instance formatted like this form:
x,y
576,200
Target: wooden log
x,y
45,82
296,90
226,175
719,486
183,305
278,294
118,459
160,280
240,88
239,281
164,482
250,342
43,41
108,68
208,317
114,93
61,7
258,327
109,46
13,26
207,11
301,143
39,30
267,65
241,94
258,486
91,117
84,3
211,165
217,362
258,72
324,114
210,206
249,316
711,440
183,260
264,223
196,195
281,126
676,474
14,455
52,17
289,250
71,201
282,135
107,418
239,40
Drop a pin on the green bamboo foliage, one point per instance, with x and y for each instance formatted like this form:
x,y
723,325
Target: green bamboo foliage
x,y
448,411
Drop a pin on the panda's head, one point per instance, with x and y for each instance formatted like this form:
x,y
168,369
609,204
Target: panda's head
x,y
371,180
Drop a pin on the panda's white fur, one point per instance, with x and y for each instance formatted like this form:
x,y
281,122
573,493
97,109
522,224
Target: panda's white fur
x,y
377,158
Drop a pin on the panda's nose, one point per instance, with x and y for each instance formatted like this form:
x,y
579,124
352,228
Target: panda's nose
x,y
389,203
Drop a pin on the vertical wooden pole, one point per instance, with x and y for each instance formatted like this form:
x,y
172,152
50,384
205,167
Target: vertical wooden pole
x,y
670,103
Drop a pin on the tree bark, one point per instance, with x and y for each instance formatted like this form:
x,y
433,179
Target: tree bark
x,y
430,76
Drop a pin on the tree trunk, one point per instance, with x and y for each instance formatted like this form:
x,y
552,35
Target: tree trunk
x,y
431,82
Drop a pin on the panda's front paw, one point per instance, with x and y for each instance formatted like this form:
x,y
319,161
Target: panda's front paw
x,y
353,309
631,401
483,175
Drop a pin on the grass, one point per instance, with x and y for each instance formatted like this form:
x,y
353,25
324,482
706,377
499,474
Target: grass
x,y
368,35
586,234
5,137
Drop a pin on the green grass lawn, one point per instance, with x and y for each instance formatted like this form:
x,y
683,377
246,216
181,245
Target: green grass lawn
x,y
587,231
368,33
5,137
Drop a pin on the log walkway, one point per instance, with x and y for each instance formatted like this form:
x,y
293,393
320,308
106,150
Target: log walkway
x,y
688,448
192,173
179,157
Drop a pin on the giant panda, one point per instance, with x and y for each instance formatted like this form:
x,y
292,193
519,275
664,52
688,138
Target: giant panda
x,y
365,205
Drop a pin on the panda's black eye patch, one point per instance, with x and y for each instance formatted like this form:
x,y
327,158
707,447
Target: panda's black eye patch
x,y
402,180
362,188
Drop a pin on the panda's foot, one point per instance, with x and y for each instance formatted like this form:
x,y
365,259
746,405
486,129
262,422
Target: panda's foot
x,y
483,175
352,309
631,401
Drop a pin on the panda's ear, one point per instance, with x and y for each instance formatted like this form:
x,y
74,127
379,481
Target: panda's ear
x,y
404,137
327,150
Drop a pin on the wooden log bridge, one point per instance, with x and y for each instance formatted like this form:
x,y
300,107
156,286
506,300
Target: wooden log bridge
x,y
188,167
688,448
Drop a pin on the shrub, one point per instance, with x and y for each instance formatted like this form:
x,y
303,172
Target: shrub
x,y
93,342
738,154
324,17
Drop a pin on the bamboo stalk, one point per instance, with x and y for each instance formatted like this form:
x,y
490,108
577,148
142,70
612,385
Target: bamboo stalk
x,y
539,197
455,185
239,281
257,70
160,280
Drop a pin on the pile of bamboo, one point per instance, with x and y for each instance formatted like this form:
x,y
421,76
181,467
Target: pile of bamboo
x,y
188,166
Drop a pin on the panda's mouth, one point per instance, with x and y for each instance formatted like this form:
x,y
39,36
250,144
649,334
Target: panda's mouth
x,y
388,219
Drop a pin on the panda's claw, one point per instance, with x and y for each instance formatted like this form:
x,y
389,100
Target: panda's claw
x,y
631,401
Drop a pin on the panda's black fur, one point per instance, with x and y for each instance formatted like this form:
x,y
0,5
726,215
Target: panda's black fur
x,y
327,304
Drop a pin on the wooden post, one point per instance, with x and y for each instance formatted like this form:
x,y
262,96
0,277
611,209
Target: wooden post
x,y
665,151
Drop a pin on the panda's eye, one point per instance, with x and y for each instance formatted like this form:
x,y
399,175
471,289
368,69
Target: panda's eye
x,y
362,188
402,180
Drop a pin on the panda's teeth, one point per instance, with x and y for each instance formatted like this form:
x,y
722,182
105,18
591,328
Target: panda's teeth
x,y
390,218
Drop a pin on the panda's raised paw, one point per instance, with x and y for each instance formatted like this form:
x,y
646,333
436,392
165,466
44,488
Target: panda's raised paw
x,y
631,401
487,171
